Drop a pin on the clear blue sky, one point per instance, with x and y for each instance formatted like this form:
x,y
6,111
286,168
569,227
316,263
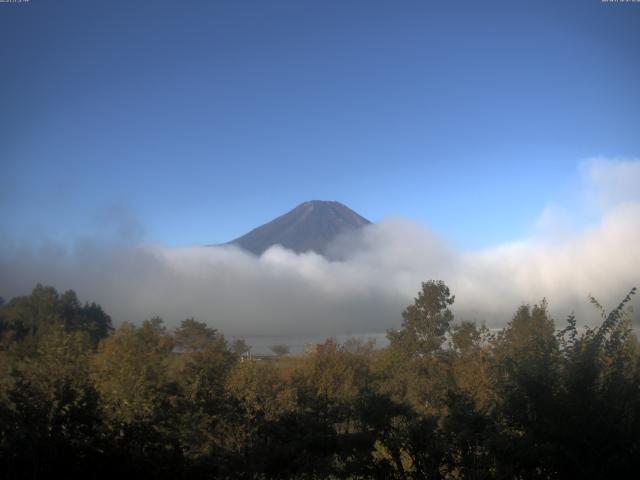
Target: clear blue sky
x,y
203,119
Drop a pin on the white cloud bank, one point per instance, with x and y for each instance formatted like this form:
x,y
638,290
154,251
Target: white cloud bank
x,y
372,276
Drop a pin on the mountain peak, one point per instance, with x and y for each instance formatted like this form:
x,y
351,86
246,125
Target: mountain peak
x,y
311,226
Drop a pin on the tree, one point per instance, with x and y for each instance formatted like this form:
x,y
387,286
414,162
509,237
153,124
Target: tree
x,y
204,362
207,361
280,350
601,375
26,318
471,363
426,322
416,369
89,317
129,371
49,410
527,385
140,401
257,398
239,347
193,336
329,385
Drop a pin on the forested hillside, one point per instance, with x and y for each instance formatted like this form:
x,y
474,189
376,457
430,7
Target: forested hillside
x,y
447,399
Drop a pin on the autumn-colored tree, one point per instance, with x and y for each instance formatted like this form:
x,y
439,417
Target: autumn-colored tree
x,y
472,362
129,371
49,409
443,400
200,368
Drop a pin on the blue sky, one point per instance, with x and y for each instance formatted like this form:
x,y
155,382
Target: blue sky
x,y
200,120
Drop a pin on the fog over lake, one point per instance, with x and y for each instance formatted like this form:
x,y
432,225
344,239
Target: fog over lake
x,y
368,278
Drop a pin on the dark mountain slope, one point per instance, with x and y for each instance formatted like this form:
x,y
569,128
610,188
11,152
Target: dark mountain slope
x,y
310,226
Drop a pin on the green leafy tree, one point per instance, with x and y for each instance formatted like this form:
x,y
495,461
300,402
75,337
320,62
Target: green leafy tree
x,y
24,318
426,322
416,369
528,384
600,405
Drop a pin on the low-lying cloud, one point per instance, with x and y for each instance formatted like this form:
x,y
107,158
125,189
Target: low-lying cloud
x,y
367,280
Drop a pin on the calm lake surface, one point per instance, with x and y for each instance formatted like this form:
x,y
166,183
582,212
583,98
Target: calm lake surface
x,y
260,344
